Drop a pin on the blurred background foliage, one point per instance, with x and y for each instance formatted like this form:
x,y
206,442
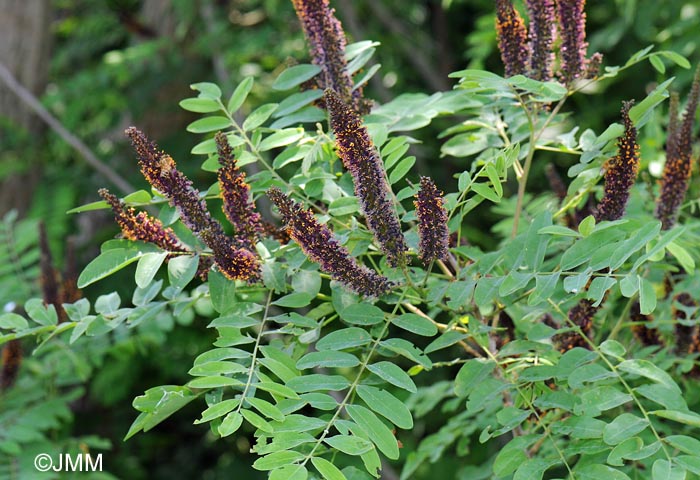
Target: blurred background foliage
x,y
117,63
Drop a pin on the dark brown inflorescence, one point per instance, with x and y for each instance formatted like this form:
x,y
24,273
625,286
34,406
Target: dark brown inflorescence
x,y
647,336
49,276
582,316
687,337
432,222
512,38
70,293
327,42
237,204
161,171
57,288
674,182
541,34
319,244
141,226
555,182
572,30
620,173
361,159
593,65
11,361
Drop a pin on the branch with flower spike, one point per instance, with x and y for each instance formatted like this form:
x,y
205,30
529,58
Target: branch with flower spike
x,y
361,159
319,244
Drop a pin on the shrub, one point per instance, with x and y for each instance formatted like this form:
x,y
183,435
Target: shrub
x,y
360,332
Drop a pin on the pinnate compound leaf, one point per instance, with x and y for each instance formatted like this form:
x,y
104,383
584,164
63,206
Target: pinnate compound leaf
x,y
277,460
471,374
665,470
281,138
362,314
200,105
157,404
416,324
690,462
350,444
240,94
687,418
597,472
647,369
623,427
147,267
533,469
257,421
386,405
266,408
647,296
684,443
258,116
231,423
317,381
293,300
181,270
12,321
218,410
379,433
327,469
617,455
207,90
108,262
289,472
327,359
295,75
213,123
344,338
393,374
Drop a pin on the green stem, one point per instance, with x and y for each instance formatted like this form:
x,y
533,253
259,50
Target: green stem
x,y
612,368
534,137
355,383
251,371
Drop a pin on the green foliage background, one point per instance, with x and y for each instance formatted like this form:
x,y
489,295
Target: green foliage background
x,y
104,76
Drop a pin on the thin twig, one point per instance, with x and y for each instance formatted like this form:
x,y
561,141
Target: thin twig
x,y
32,102
420,61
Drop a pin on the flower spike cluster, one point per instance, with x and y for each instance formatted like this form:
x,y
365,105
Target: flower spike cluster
x,y
621,172
237,204
361,159
161,172
11,361
57,287
318,243
530,50
572,30
327,41
49,275
679,149
687,337
432,222
541,37
141,226
582,316
646,335
512,38
556,183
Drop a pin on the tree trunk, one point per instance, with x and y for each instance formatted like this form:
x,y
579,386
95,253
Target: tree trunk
x,y
25,40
